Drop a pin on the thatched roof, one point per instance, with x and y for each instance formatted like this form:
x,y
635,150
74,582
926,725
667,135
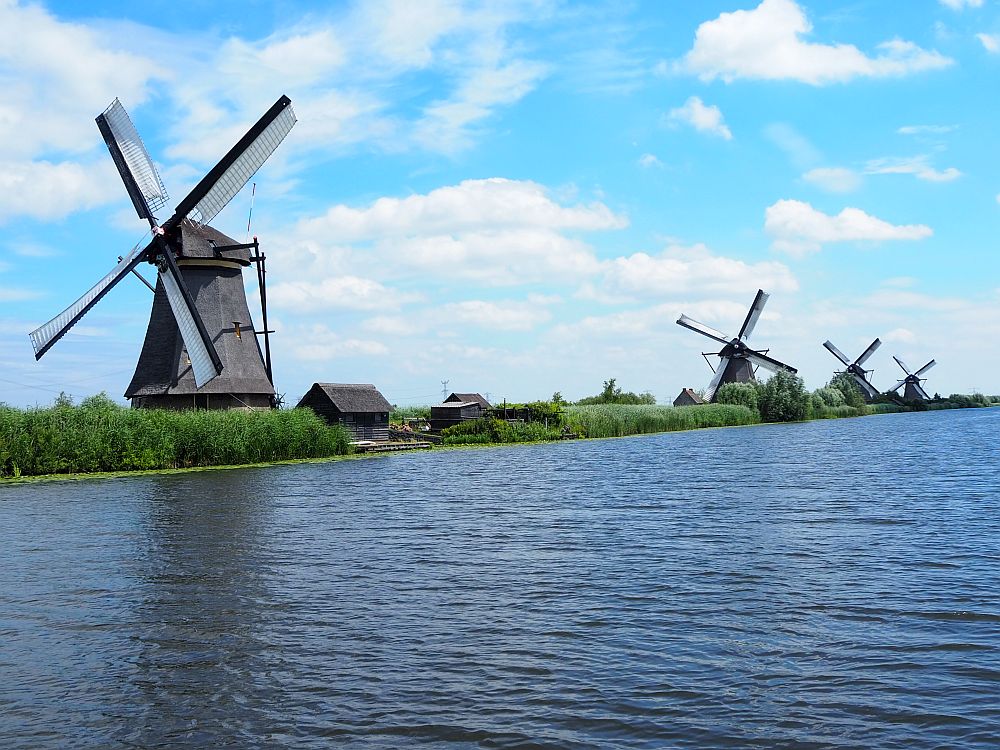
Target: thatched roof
x,y
350,397
467,397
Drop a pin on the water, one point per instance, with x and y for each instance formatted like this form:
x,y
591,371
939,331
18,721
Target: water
x,y
823,585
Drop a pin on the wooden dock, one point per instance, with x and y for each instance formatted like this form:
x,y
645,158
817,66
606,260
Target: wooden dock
x,y
372,446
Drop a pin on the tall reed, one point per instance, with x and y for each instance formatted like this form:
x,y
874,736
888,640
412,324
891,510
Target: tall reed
x,y
103,436
617,420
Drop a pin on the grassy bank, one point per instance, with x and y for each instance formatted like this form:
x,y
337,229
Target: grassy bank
x,y
101,436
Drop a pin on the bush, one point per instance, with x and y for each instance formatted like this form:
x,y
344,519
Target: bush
x,y
613,394
489,430
739,394
849,389
783,398
830,396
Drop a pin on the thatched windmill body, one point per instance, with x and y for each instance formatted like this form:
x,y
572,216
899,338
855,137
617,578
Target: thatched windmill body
x,y
201,348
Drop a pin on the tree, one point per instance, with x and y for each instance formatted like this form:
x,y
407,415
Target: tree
x,y
783,398
741,394
613,394
849,388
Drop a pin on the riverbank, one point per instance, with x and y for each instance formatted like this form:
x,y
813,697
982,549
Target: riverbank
x,y
102,439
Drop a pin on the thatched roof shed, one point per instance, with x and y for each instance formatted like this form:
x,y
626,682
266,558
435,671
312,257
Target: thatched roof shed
x,y
466,398
357,406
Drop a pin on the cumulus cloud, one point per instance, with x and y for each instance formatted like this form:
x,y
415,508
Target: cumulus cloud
x,y
833,179
960,4
991,42
317,343
501,315
45,190
767,43
797,228
705,118
341,292
693,270
918,166
493,231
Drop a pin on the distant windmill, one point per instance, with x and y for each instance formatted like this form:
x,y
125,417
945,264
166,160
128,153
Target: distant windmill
x,y
200,343
737,360
913,391
856,369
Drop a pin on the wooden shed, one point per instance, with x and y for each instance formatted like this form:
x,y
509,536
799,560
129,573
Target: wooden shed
x,y
688,397
454,412
357,406
466,398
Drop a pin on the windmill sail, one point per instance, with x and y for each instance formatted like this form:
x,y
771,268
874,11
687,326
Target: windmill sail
x,y
867,387
868,352
703,329
236,168
714,385
754,315
203,363
925,368
836,352
769,363
137,170
43,337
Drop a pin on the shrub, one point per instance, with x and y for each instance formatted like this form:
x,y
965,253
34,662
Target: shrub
x,y
830,396
740,394
783,398
489,430
849,389
613,394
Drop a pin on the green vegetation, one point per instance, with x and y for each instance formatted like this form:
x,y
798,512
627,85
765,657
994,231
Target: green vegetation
x,y
740,394
100,435
612,394
489,430
400,414
849,389
610,420
783,398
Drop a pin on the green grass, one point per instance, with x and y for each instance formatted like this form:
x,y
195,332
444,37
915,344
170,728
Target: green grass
x,y
615,420
101,436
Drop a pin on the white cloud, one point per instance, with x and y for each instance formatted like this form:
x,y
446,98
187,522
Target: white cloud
x,y
340,292
693,270
317,343
649,160
903,335
766,43
926,129
797,228
46,190
918,166
998,197
991,42
703,118
502,315
493,231
795,145
13,294
833,179
960,4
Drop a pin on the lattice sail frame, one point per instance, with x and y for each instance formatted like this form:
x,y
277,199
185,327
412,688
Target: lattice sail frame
x,y
137,159
240,171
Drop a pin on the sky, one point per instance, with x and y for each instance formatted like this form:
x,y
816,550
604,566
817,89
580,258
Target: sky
x,y
521,197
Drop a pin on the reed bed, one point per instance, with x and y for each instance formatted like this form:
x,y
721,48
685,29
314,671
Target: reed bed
x,y
103,436
617,420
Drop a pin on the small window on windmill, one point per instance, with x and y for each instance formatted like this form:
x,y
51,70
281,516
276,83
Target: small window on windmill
x,y
185,356
236,328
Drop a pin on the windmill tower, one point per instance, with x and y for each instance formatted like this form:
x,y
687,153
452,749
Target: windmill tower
x,y
914,391
856,368
737,361
201,348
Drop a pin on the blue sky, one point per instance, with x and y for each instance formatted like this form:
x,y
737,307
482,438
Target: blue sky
x,y
521,197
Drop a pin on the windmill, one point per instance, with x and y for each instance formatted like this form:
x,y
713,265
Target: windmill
x,y
856,368
201,347
737,361
913,391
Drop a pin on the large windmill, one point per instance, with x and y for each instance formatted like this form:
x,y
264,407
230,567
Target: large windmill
x,y
201,346
913,391
737,361
856,368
